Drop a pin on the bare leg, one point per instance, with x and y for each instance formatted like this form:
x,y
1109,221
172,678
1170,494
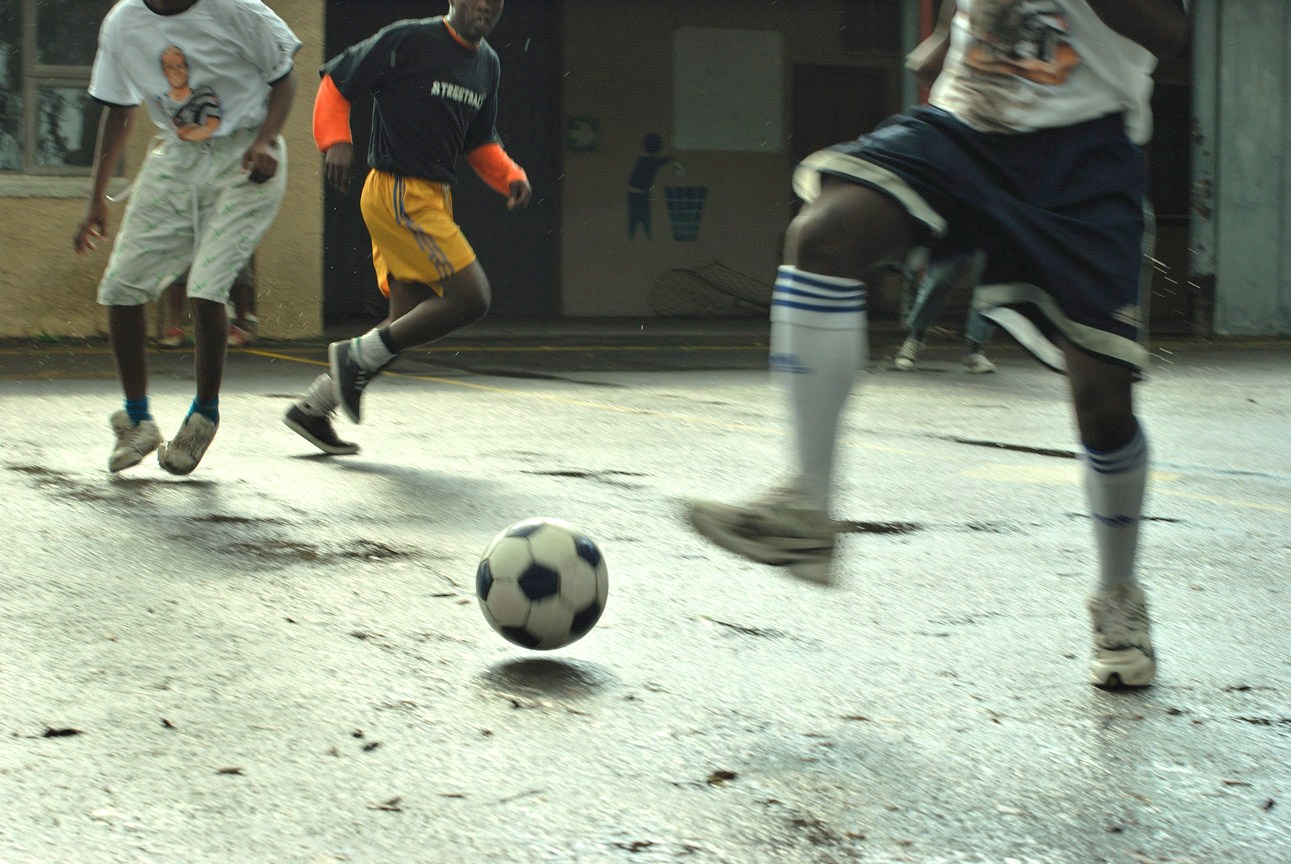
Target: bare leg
x,y
418,315
211,331
1102,398
128,328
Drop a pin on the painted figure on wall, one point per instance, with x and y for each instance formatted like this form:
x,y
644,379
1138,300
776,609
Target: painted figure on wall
x,y
641,184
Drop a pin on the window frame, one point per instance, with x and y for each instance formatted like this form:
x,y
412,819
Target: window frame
x,y
36,76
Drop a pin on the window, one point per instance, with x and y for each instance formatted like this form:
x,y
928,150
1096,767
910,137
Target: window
x,y
48,122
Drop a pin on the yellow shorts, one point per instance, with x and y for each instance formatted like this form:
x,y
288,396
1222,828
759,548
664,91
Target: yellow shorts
x,y
414,237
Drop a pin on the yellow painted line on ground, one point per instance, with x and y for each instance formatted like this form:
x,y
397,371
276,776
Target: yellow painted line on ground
x,y
62,375
1047,474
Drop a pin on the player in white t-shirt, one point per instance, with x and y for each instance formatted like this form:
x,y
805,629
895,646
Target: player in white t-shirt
x,y
217,80
1030,151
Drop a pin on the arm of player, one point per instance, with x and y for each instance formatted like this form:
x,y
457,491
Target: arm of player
x,y
1161,26
332,133
926,60
261,158
501,173
112,141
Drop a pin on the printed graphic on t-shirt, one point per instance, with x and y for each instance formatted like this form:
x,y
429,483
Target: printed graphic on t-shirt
x,y
1020,39
194,110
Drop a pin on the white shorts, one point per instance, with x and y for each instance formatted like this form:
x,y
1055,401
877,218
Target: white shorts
x,y
191,208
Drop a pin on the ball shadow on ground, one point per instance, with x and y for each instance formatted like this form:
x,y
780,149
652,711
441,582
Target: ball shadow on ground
x,y
547,676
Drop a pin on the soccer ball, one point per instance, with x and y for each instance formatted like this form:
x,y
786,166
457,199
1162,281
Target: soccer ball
x,y
542,583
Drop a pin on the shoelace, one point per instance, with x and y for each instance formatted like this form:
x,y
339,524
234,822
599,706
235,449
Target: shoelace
x,y
1122,624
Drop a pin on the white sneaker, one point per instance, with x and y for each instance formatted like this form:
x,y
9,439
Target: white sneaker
x,y
1123,655
186,449
907,353
134,441
977,363
780,528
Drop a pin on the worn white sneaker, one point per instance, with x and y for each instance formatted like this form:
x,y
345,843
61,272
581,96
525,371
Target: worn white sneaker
x,y
186,449
1123,655
780,528
134,441
977,363
907,354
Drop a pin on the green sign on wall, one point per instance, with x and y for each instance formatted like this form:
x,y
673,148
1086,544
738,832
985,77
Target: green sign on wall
x,y
583,134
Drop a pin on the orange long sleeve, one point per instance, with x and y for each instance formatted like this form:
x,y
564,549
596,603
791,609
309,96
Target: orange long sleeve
x,y
495,167
331,116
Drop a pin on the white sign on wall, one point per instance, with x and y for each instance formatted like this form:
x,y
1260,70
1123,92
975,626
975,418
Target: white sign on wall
x,y
728,89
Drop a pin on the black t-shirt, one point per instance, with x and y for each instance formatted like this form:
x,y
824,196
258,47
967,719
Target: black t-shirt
x,y
434,98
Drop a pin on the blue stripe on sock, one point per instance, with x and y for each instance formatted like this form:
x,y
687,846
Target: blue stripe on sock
x,y
137,410
209,410
1127,458
813,307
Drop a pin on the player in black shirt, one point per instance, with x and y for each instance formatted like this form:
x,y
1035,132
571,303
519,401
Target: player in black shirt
x,y
434,83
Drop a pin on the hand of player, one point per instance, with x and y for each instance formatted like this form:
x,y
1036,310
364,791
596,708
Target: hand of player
x,y
339,166
521,192
261,160
93,227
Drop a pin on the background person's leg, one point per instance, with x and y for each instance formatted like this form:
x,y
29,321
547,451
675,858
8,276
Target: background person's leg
x,y
174,313
242,296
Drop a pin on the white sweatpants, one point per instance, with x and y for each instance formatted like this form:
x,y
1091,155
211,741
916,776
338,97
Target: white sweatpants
x,y
191,207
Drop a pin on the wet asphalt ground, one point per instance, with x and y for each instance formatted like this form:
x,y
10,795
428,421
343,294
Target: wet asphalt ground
x,y
279,658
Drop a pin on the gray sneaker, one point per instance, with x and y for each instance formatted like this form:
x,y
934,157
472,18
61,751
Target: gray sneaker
x,y
1123,655
978,363
134,441
780,528
907,354
186,449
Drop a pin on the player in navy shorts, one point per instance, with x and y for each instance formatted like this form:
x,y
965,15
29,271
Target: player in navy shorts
x,y
1031,150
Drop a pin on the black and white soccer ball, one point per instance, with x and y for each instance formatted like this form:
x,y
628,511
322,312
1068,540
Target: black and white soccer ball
x,y
542,583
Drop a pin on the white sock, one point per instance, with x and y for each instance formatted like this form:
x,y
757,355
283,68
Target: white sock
x,y
818,340
373,353
320,399
1115,484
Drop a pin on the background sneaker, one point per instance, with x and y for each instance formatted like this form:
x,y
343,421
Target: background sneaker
x,y
240,336
779,528
186,449
174,337
318,431
134,441
1123,655
907,354
977,363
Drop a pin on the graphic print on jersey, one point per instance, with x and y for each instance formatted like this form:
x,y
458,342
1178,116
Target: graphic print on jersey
x,y
193,111
1025,39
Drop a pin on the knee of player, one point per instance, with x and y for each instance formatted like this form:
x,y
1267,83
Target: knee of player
x,y
1100,408
824,246
474,302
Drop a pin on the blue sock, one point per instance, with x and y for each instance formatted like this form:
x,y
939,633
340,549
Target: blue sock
x,y
137,409
209,410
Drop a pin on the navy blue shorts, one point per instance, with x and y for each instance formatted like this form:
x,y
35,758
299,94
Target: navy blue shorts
x,y
1059,213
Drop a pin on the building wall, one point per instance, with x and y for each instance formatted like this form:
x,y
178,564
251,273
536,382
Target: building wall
x,y
45,289
1242,180
625,86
